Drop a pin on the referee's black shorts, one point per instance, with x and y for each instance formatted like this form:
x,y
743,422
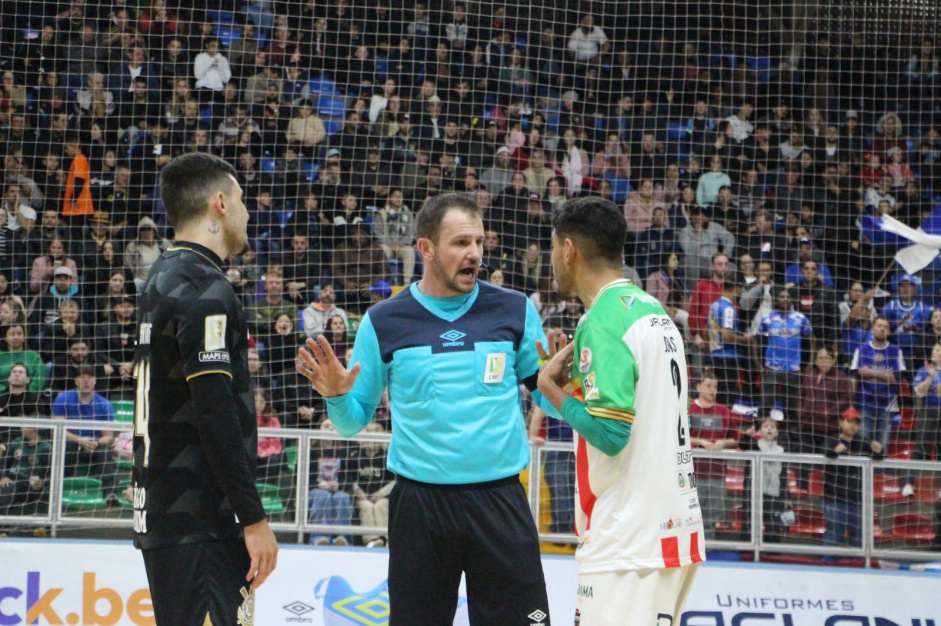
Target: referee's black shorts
x,y
193,580
485,530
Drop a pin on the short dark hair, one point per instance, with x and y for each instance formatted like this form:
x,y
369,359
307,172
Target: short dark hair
x,y
187,182
597,225
428,222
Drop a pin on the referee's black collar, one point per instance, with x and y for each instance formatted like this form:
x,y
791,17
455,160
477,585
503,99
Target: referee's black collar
x,y
202,251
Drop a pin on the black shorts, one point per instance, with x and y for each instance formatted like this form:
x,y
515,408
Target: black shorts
x,y
190,581
486,531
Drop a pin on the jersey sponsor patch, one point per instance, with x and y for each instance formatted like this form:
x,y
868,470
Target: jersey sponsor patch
x,y
584,360
496,367
216,356
590,388
214,338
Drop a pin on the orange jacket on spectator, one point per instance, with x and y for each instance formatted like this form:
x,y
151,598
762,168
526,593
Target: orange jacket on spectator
x,y
83,203
706,292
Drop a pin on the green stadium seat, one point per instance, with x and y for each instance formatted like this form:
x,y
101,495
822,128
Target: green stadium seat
x,y
269,499
81,493
123,410
290,454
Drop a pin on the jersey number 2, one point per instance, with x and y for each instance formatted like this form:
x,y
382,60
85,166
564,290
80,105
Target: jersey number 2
x,y
678,383
142,405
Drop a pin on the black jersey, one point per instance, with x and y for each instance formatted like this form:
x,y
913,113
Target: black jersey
x,y
195,435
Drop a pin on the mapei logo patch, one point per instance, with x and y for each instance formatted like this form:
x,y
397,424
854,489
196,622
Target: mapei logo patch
x,y
453,338
217,356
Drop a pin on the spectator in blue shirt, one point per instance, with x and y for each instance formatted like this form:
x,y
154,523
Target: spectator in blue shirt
x,y
87,450
908,315
927,386
878,365
785,329
807,252
724,338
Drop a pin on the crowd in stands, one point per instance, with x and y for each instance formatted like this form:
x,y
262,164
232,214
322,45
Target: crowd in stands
x,y
744,180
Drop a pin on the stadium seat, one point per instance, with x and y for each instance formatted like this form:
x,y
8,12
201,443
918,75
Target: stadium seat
x,y
205,117
763,67
227,36
677,132
221,17
123,410
620,187
82,493
322,87
332,125
809,523
901,449
879,535
735,480
310,170
269,499
736,522
290,452
913,529
268,166
886,489
328,106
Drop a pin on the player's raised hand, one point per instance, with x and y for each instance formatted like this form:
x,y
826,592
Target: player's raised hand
x,y
318,363
557,342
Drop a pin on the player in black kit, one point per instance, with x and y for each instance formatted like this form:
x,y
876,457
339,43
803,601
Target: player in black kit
x,y
198,518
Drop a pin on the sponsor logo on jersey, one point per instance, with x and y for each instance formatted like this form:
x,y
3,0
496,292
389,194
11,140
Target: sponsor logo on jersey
x,y
585,591
452,338
214,337
878,358
584,361
628,301
496,366
298,608
246,613
537,616
590,388
670,524
145,330
682,480
217,356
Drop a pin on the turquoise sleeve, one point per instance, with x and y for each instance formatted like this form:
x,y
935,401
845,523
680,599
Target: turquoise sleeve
x,y
527,358
609,436
352,411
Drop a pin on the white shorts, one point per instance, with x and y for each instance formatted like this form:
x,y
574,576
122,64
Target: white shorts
x,y
642,597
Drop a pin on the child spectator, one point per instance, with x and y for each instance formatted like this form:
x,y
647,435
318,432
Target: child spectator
x,y
763,437
328,502
373,484
712,426
270,449
842,484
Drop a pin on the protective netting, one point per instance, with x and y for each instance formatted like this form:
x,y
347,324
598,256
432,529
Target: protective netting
x,y
758,149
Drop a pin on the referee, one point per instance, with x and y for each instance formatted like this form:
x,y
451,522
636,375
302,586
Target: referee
x,y
453,353
198,518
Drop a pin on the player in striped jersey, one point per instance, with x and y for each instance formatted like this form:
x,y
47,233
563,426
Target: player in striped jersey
x,y
637,511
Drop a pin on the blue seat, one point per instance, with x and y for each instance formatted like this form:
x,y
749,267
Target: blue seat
x,y
382,67
553,123
763,67
322,87
283,217
268,166
310,170
205,117
227,36
677,132
221,17
331,107
262,38
620,187
332,125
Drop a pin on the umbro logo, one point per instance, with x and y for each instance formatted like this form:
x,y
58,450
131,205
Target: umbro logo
x,y
537,616
453,338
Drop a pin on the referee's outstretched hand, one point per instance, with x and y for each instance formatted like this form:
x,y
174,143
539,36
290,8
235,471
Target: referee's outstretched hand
x,y
318,363
263,549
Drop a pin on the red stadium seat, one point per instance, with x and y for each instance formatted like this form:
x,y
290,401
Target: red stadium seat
x,y
795,492
901,449
926,489
735,480
878,535
886,489
913,528
736,521
809,523
815,483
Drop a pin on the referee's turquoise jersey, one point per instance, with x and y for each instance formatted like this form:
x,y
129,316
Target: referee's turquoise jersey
x,y
454,367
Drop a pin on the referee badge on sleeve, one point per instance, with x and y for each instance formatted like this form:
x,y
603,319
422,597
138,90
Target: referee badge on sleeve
x,y
496,366
214,338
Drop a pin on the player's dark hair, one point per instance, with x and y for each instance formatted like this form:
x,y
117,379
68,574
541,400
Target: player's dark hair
x,y
428,222
187,182
596,225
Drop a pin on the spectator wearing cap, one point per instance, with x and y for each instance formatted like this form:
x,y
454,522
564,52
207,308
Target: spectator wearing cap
x,y
405,142
88,450
358,262
25,243
908,315
44,267
143,252
211,70
807,252
44,308
305,128
499,176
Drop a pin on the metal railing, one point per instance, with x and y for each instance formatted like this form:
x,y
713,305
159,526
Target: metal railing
x,y
294,488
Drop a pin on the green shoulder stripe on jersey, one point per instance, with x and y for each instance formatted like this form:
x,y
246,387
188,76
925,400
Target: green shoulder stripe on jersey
x,y
192,376
611,414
